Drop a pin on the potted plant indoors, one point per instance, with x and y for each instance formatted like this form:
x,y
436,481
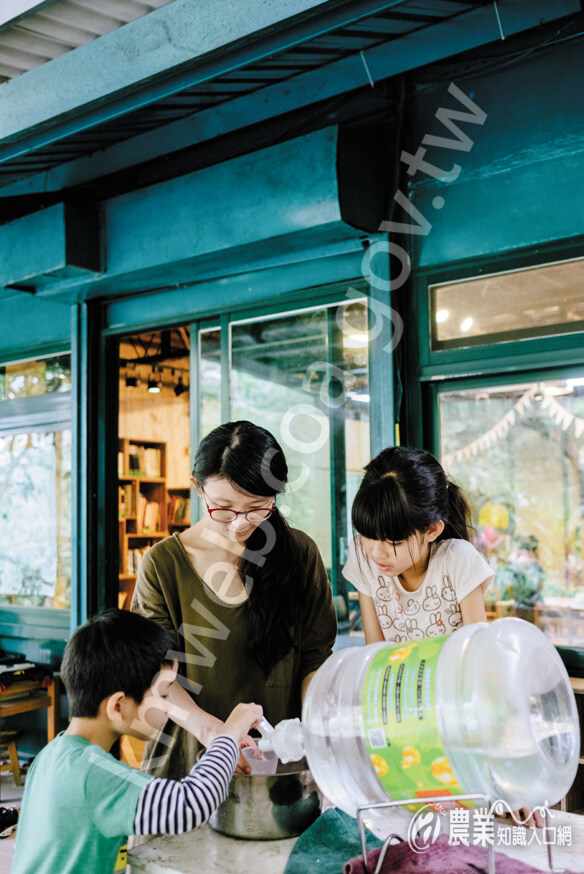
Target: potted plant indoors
x,y
522,579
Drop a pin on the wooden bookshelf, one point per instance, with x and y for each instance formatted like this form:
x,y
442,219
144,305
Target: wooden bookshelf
x,y
142,506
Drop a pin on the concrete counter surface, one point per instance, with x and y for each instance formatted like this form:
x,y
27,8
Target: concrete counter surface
x,y
205,851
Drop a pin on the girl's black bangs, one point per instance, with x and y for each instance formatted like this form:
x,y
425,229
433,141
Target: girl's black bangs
x,y
378,514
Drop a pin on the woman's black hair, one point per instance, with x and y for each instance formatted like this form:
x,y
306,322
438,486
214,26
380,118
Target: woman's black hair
x,y
407,490
252,461
115,651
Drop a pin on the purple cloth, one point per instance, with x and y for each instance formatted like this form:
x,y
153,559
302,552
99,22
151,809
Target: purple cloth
x,y
440,858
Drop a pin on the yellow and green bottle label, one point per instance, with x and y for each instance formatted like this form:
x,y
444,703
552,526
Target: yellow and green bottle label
x,y
401,726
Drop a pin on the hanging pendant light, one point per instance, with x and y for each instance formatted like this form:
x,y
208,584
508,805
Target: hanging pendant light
x,y
180,388
154,384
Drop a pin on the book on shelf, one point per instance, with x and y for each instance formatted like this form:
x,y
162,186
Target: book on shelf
x,y
148,514
134,459
152,462
145,460
152,516
134,557
142,504
126,505
121,471
179,510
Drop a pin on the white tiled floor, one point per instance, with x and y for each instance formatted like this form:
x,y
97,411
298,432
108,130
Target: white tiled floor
x,y
11,796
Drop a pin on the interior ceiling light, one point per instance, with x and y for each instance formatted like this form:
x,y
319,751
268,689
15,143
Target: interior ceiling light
x,y
154,385
466,325
180,388
442,316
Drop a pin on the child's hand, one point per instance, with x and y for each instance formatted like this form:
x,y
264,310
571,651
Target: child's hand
x,y
241,719
243,766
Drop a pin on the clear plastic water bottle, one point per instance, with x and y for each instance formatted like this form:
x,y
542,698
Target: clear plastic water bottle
x,y
487,709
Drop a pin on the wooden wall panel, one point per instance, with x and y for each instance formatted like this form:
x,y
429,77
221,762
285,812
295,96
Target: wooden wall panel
x,y
162,417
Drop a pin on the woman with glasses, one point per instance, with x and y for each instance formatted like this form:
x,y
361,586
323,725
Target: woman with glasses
x,y
246,596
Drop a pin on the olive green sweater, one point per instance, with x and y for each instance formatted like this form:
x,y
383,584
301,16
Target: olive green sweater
x,y
212,644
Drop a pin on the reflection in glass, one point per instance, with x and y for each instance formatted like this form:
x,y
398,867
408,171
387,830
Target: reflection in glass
x,y
508,306
304,376
35,529
29,378
518,451
209,381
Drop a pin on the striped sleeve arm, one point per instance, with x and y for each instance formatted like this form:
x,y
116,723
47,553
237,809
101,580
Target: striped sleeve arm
x,y
172,807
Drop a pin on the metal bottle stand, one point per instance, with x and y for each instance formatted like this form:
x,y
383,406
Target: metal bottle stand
x,y
438,799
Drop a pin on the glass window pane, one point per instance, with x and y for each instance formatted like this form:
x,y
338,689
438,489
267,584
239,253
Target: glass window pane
x,y
30,378
518,451
353,358
508,306
35,514
209,381
304,376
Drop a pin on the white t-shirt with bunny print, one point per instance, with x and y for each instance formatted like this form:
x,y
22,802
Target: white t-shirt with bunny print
x,y
455,569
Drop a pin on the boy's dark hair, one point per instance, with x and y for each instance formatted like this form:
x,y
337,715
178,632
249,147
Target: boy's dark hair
x,y
114,651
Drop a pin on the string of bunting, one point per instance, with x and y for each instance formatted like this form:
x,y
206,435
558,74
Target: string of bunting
x,y
554,409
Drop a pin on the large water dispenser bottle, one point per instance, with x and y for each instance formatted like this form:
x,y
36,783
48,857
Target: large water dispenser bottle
x,y
488,709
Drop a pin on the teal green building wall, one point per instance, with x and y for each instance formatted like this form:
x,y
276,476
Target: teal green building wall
x,y
521,184
31,327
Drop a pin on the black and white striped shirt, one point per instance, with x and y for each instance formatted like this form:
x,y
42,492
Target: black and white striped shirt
x,y
172,807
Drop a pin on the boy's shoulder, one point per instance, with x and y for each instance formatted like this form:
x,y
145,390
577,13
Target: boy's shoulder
x,y
73,756
79,804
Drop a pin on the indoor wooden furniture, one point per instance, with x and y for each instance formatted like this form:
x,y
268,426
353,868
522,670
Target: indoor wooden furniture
x,y
29,695
8,743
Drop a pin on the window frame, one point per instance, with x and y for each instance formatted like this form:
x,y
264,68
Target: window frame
x,y
40,412
498,356
507,360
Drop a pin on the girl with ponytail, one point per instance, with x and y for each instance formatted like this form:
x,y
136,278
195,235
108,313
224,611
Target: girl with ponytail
x,y
411,560
246,596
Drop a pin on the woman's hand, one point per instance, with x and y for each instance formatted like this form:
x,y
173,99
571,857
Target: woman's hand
x,y
529,818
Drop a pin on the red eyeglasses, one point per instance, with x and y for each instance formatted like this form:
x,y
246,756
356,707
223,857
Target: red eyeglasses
x,y
220,514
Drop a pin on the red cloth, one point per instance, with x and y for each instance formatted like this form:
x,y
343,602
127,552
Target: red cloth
x,y
441,858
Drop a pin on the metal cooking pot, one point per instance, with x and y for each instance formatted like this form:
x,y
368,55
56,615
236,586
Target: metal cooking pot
x,y
262,807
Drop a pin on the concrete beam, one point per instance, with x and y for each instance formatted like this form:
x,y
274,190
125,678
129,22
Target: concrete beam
x,y
48,245
178,34
259,210
431,44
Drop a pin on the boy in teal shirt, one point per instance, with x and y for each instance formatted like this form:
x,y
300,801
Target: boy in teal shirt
x,y
80,803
